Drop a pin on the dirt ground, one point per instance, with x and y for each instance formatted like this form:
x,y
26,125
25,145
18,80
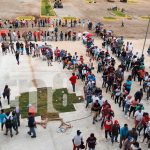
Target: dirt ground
x,y
134,28
10,9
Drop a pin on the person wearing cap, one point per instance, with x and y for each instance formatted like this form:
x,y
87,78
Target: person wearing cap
x,y
115,131
77,140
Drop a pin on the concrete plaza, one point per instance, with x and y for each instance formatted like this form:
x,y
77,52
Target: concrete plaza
x,y
20,79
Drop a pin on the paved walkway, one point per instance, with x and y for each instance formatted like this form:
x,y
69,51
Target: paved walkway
x,y
20,80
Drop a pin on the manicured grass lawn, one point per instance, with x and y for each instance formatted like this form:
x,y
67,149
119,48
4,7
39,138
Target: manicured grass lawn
x,y
47,9
145,17
71,98
69,18
110,18
119,13
89,1
132,1
42,103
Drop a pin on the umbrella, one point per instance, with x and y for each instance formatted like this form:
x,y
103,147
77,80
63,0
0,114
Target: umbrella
x,y
41,46
4,31
109,31
85,32
90,34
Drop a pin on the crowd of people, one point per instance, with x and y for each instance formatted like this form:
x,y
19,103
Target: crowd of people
x,y
113,80
45,22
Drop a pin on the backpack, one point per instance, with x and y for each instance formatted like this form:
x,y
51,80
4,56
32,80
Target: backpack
x,y
82,146
8,122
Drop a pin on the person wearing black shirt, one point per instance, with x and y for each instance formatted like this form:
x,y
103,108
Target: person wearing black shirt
x,y
17,46
61,36
95,108
31,125
17,56
91,142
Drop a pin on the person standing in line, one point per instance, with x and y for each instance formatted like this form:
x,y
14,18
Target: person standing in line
x,y
91,142
95,110
14,122
31,125
17,111
6,93
2,119
22,48
108,127
123,134
77,140
12,47
138,116
17,56
8,124
73,80
10,36
115,131
17,46
49,57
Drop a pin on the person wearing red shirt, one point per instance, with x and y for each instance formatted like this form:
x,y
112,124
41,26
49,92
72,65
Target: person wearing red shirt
x,y
73,80
108,127
35,36
144,122
38,35
58,55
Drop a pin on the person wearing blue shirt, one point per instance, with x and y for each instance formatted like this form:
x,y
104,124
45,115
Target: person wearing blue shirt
x,y
123,134
2,119
89,77
93,78
128,84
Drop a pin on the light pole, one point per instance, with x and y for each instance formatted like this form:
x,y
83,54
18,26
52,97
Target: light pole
x,y
146,35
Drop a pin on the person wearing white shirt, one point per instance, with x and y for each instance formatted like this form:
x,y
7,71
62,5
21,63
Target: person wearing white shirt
x,y
118,93
101,101
14,36
130,47
94,98
138,116
127,104
77,140
79,35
